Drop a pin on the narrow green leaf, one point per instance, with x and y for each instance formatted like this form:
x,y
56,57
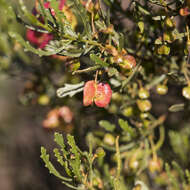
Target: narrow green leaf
x,y
75,161
66,47
10,12
180,171
58,156
49,165
43,12
66,27
187,173
71,186
27,45
70,90
98,60
103,8
58,138
177,141
67,169
84,17
61,161
32,18
87,48
107,125
172,178
177,107
59,15
142,9
126,128
74,148
72,52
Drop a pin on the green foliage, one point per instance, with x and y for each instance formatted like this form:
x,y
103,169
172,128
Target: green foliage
x,y
107,125
32,49
50,166
66,159
177,182
126,128
70,90
78,165
98,60
178,140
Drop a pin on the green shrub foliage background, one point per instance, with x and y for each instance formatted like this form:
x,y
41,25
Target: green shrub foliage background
x,y
135,142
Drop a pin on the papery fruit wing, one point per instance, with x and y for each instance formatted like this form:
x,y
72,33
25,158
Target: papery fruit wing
x,y
89,93
103,95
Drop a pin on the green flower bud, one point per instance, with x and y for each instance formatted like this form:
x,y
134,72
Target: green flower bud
x,y
100,152
186,92
137,187
43,100
144,105
128,112
161,89
109,139
143,93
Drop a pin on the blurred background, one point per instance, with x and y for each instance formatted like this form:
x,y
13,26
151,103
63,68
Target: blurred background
x,y
21,131
20,139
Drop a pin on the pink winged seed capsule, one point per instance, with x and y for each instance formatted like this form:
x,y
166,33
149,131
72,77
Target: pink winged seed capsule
x,y
103,95
89,93
99,93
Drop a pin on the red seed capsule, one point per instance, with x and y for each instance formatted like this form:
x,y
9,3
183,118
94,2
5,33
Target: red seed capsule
x,y
52,119
129,62
184,11
89,93
99,93
66,114
103,95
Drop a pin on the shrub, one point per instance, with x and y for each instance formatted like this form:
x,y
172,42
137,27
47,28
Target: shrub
x,y
132,63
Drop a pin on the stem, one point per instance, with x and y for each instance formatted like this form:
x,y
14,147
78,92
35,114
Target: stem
x,y
118,158
96,77
162,137
41,3
187,28
122,148
188,58
91,42
90,160
69,185
117,179
89,69
153,147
